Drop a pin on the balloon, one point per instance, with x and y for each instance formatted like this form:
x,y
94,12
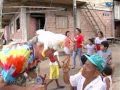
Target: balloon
x,y
7,77
18,62
14,60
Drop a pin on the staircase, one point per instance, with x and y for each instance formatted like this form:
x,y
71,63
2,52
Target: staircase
x,y
93,18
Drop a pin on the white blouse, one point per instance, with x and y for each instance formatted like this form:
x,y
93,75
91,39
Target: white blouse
x,y
99,40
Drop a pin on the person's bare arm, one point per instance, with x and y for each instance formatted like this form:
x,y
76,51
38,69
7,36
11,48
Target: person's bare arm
x,y
107,83
109,58
58,62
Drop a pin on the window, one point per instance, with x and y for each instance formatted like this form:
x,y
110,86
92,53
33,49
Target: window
x,y
18,24
61,22
105,13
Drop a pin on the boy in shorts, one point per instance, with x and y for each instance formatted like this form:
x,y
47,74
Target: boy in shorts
x,y
54,67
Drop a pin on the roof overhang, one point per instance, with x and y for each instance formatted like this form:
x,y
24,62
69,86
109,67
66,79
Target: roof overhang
x,y
11,7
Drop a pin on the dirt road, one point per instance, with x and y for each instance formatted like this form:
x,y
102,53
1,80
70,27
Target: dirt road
x,y
45,69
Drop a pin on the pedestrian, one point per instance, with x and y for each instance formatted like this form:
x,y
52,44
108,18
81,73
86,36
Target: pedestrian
x,y
105,52
89,78
54,67
90,47
107,78
67,47
78,41
4,41
99,39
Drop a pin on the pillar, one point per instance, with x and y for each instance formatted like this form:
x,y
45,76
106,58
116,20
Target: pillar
x,y
78,18
23,24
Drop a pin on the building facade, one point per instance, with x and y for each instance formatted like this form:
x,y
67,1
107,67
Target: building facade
x,y
117,18
21,18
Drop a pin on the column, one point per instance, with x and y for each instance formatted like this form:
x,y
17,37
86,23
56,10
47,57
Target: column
x,y
23,24
78,18
6,33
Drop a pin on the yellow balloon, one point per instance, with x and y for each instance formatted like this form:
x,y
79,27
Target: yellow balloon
x,y
3,57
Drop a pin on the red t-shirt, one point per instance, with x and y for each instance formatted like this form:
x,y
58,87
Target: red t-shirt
x,y
79,40
97,47
52,58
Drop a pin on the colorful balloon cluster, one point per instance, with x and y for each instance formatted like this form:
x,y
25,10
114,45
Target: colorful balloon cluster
x,y
14,61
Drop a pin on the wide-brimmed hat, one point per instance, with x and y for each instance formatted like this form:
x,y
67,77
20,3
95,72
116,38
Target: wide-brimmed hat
x,y
97,60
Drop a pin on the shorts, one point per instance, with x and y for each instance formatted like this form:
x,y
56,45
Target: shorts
x,y
54,72
67,50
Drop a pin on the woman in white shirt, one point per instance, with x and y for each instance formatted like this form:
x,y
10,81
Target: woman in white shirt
x,y
99,39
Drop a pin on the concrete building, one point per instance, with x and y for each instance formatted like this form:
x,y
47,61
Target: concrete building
x,y
117,18
21,18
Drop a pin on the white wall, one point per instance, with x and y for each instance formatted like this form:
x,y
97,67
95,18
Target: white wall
x,y
117,10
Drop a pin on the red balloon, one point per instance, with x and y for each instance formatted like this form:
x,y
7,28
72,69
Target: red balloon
x,y
18,62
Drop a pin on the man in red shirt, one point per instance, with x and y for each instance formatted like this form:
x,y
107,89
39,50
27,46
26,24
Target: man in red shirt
x,y
78,40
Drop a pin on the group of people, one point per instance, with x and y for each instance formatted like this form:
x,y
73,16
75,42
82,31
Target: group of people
x,y
96,63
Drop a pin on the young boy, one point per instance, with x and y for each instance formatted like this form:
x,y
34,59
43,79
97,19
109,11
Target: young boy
x,y
105,52
54,66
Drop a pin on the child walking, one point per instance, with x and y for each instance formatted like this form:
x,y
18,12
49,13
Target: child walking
x,y
54,67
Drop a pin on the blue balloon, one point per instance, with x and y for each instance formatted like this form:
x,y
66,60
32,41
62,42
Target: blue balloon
x,y
7,77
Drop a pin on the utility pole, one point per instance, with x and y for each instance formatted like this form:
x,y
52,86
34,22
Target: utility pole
x,y
1,7
75,19
75,15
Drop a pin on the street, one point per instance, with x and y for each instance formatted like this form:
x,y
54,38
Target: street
x,y
116,77
44,69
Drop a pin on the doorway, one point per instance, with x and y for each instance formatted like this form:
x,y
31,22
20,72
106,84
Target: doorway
x,y
40,20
